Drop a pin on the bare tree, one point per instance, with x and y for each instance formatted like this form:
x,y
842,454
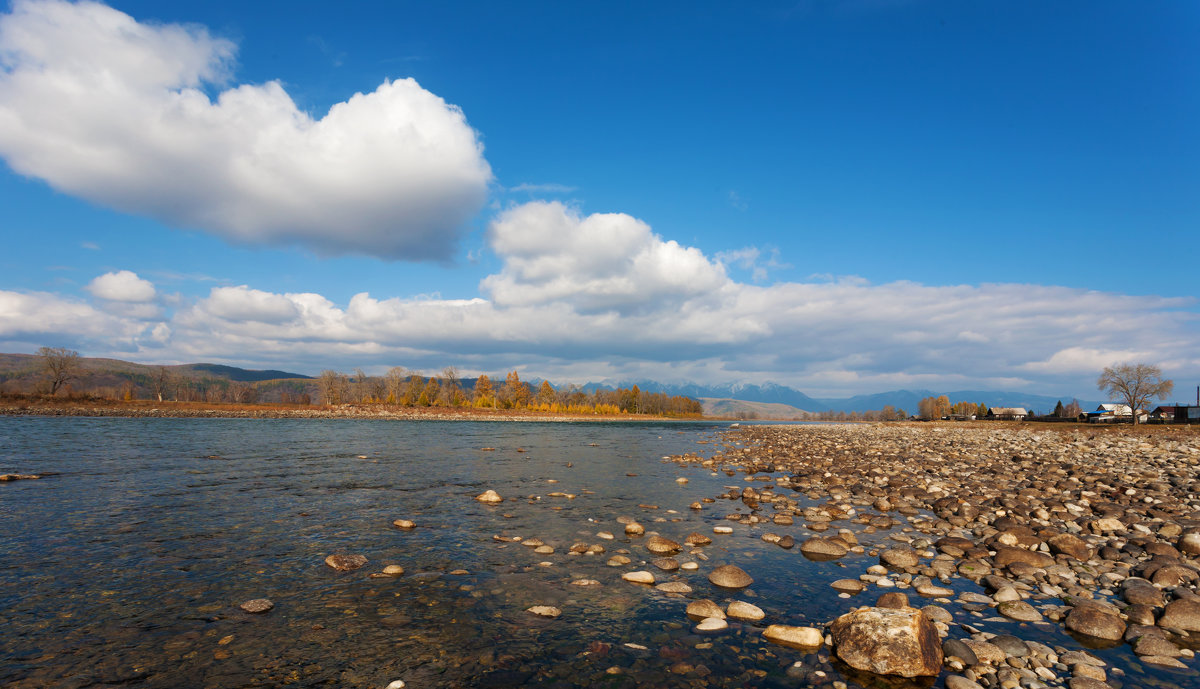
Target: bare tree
x,y
334,386
1135,384
160,382
394,381
60,364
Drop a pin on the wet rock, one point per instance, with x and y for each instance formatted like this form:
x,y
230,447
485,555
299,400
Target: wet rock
x,y
848,586
892,599
1141,592
393,570
257,606
1093,620
585,582
1006,555
730,577
1087,683
638,577
404,524
934,591
346,563
544,610
1181,614
741,610
818,548
696,539
712,624
1164,661
662,546
673,587
1189,543
489,497
803,637
666,564
634,529
1155,646
617,561
1011,645
888,642
900,556
987,652
1019,610
786,542
700,609
956,648
960,682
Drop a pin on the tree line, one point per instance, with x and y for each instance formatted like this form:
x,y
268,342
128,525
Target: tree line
x,y
61,368
400,387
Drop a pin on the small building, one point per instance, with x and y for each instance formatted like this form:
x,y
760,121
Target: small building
x,y
1115,413
1007,413
1176,413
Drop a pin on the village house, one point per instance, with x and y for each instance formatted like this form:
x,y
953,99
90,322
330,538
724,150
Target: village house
x,y
1008,413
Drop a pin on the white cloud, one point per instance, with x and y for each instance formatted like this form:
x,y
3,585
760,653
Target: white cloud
x,y
112,110
124,286
602,262
244,304
53,318
601,296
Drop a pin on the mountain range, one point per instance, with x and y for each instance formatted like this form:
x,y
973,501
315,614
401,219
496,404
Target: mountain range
x,y
907,400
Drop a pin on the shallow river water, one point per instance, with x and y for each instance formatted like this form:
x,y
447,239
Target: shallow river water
x,y
127,566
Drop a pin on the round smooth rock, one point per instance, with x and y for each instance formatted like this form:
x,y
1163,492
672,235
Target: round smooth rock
x,y
661,546
404,524
712,624
818,548
703,608
730,577
805,637
638,577
257,605
489,497
695,539
544,611
1019,610
393,570
673,587
848,586
960,682
741,610
634,529
1095,621
900,556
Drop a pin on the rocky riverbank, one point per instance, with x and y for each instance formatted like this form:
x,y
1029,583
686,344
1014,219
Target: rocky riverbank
x,y
1095,534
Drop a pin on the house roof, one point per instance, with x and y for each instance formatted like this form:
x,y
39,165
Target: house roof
x,y
1009,411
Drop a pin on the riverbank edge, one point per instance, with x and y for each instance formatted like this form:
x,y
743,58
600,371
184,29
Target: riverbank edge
x,y
189,410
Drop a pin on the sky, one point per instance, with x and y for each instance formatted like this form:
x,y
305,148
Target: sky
x,y
845,196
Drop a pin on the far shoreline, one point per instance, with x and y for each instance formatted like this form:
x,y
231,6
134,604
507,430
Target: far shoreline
x,y
90,408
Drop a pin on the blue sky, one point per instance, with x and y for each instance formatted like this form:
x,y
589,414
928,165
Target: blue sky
x,y
841,196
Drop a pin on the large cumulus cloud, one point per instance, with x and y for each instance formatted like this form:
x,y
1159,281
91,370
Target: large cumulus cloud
x,y
114,111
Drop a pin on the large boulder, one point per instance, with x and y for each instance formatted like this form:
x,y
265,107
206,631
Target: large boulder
x,y
888,642
1181,614
1094,620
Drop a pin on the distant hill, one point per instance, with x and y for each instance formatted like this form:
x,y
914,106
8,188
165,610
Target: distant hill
x,y
741,409
244,375
907,400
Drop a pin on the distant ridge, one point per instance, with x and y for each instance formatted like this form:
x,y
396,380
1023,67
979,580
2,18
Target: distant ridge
x,y
245,375
907,400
